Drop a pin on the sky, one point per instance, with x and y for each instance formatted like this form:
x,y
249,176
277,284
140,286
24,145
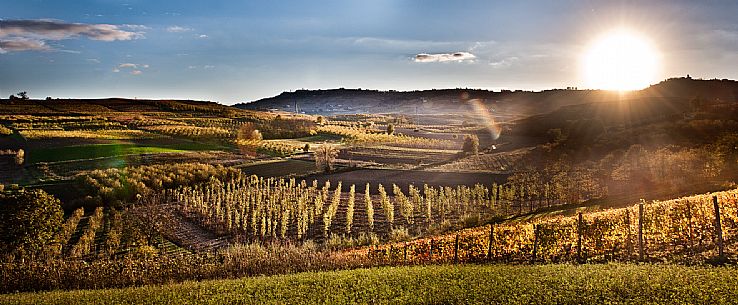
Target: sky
x,y
236,51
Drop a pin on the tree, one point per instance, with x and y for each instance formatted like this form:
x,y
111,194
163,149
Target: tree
x,y
306,148
23,95
390,129
471,144
29,220
325,155
20,157
248,131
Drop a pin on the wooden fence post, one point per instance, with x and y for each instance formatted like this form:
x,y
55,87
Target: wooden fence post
x,y
628,243
456,249
718,228
430,251
391,249
405,252
535,243
491,240
640,230
579,238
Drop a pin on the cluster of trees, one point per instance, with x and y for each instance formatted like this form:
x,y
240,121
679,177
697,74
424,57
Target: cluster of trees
x,y
23,95
280,128
29,223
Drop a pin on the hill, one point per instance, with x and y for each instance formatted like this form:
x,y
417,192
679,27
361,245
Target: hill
x,y
348,101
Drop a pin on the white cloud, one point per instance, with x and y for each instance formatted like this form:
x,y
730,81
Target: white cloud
x,y
208,67
31,35
93,60
45,29
202,36
132,66
22,44
445,57
135,69
178,29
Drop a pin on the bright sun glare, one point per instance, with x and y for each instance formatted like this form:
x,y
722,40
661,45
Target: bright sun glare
x,y
620,60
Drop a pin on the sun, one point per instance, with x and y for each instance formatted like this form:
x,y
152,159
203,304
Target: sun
x,y
620,60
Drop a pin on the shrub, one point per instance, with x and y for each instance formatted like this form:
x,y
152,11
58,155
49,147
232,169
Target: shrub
x,y
471,144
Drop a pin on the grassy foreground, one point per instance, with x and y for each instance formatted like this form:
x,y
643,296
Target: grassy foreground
x,y
468,284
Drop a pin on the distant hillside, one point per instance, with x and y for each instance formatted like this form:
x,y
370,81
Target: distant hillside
x,y
346,101
111,105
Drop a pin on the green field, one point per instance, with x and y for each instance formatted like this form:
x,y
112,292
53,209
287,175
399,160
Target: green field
x,y
81,152
468,284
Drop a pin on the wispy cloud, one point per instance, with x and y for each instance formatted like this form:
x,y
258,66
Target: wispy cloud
x,y
178,29
445,57
31,35
202,36
135,27
505,62
206,67
135,69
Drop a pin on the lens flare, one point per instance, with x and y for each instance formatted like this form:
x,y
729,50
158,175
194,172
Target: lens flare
x,y
486,118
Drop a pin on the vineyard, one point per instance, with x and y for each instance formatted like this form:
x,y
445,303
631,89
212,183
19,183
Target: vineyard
x,y
90,134
364,135
267,147
261,209
187,131
680,230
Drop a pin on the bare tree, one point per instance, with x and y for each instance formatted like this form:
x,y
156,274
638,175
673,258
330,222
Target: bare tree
x,y
325,155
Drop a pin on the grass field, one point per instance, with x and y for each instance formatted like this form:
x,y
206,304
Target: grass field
x,y
80,152
468,284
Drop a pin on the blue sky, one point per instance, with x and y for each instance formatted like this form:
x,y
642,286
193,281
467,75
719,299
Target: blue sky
x,y
232,51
